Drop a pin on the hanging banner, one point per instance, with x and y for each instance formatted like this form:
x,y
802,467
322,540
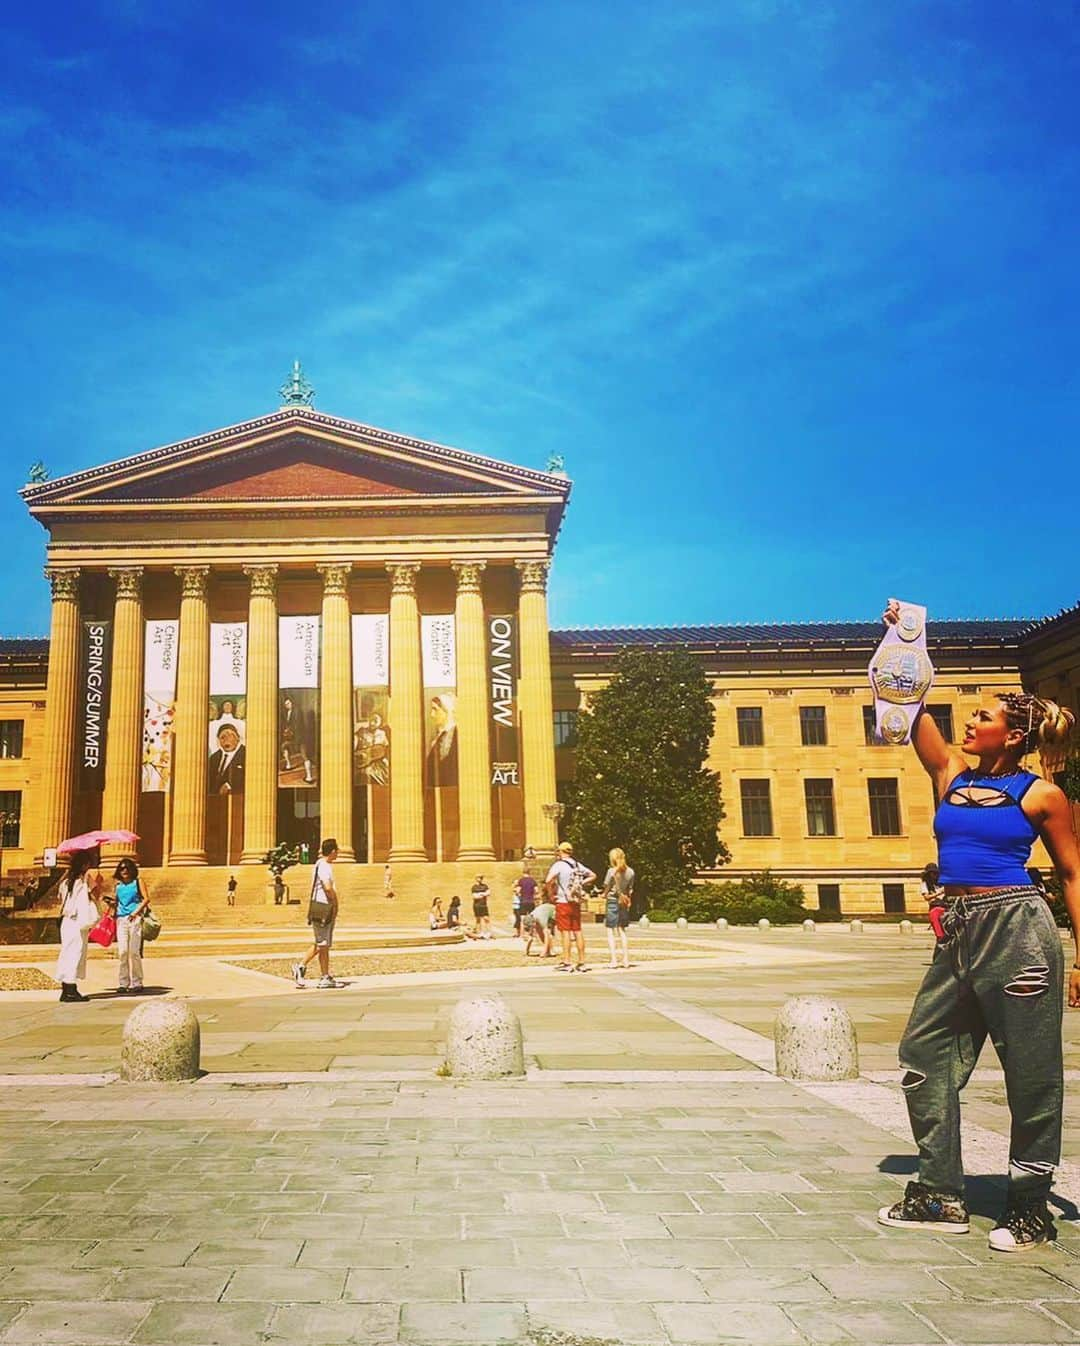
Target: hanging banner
x,y
502,685
94,680
371,685
159,703
228,708
438,648
298,702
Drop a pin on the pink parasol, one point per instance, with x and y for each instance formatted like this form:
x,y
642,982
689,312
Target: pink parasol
x,y
86,841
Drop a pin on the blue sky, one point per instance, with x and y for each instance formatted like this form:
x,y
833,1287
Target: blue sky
x,y
792,286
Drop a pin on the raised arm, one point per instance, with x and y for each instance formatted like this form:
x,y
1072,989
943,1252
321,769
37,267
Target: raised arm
x,y
940,761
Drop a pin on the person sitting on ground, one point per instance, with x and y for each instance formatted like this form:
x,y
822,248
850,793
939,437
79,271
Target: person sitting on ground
x,y
435,915
453,914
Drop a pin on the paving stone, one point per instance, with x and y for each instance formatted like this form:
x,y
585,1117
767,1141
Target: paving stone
x,y
659,1203
327,1252
790,1253
1007,1323
403,1283
505,1284
462,1253
336,1324
194,1283
627,1324
643,1285
1001,1282
754,1324
909,1247
45,1252
614,1226
182,1323
884,1325
9,1312
682,1252
912,1284
285,1285
75,1323
770,1287
245,1253
54,1283
514,1226
471,1324
139,1253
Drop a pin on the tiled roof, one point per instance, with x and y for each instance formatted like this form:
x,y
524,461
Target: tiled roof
x,y
996,631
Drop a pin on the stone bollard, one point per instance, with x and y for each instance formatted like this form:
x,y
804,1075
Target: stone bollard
x,y
644,921
763,924
721,923
681,923
809,926
906,927
814,1039
855,927
160,1042
484,1042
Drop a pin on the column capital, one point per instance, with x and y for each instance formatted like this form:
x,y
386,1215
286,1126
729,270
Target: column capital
x,y
533,575
335,578
193,580
263,580
403,576
128,581
469,575
64,584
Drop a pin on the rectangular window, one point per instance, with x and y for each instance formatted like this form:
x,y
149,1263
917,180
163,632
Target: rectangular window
x,y
893,893
566,728
10,816
751,729
884,795
11,738
820,813
942,717
828,896
868,721
756,808
812,726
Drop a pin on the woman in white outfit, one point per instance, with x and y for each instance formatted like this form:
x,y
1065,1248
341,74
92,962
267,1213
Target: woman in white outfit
x,y
79,892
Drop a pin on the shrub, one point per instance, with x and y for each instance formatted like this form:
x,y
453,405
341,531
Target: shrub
x,y
742,903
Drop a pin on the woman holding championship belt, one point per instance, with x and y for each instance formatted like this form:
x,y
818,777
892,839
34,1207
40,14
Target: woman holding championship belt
x,y
997,968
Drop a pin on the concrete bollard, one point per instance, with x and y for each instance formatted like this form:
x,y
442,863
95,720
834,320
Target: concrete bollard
x,y
814,1039
856,927
644,921
160,1042
906,927
681,923
809,926
721,923
484,1041
763,924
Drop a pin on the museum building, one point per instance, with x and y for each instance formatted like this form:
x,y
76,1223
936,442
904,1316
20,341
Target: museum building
x,y
303,626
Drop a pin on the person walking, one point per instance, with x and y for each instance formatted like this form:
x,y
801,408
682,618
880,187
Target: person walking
x,y
323,896
997,968
566,883
618,898
230,888
481,912
524,900
80,892
129,903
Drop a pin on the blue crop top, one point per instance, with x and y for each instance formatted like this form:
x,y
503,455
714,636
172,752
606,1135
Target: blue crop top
x,y
984,839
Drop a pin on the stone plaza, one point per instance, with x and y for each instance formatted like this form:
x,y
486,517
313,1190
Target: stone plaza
x,y
649,1180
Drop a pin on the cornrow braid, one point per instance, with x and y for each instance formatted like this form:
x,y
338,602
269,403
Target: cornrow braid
x,y
1042,722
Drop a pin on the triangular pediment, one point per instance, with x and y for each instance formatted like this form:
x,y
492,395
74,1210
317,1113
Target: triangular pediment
x,y
295,455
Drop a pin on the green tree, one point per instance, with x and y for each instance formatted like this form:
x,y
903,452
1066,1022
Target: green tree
x,y
641,781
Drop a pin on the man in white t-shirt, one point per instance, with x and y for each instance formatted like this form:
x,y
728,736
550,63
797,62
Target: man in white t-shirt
x,y
565,882
323,895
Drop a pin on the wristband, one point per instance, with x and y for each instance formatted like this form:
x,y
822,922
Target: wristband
x,y
901,675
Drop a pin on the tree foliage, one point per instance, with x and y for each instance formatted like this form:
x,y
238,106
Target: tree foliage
x,y
1069,778
741,903
641,780
282,857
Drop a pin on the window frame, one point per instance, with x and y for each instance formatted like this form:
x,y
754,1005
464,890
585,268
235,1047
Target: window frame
x,y
832,888
827,801
571,738
897,890
814,722
747,717
749,804
11,801
891,798
18,733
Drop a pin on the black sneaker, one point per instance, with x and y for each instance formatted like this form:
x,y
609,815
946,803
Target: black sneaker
x,y
1025,1224
940,1212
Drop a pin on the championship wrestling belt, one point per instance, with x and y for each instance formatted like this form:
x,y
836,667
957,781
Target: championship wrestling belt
x,y
901,675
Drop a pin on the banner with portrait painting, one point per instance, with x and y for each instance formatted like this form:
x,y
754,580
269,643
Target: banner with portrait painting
x,y
226,763
94,685
371,726
159,703
298,702
438,657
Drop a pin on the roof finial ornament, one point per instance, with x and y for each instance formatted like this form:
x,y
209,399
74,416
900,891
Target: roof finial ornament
x,y
556,465
296,391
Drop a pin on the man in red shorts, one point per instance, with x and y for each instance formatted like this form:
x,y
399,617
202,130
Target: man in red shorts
x,y
565,883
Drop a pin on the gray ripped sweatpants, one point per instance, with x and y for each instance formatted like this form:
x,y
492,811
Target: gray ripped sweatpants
x,y
999,970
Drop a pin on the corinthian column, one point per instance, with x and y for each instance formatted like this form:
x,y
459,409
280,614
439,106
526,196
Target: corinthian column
x,y
534,700
120,801
190,724
406,718
474,746
260,752
61,696
336,730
